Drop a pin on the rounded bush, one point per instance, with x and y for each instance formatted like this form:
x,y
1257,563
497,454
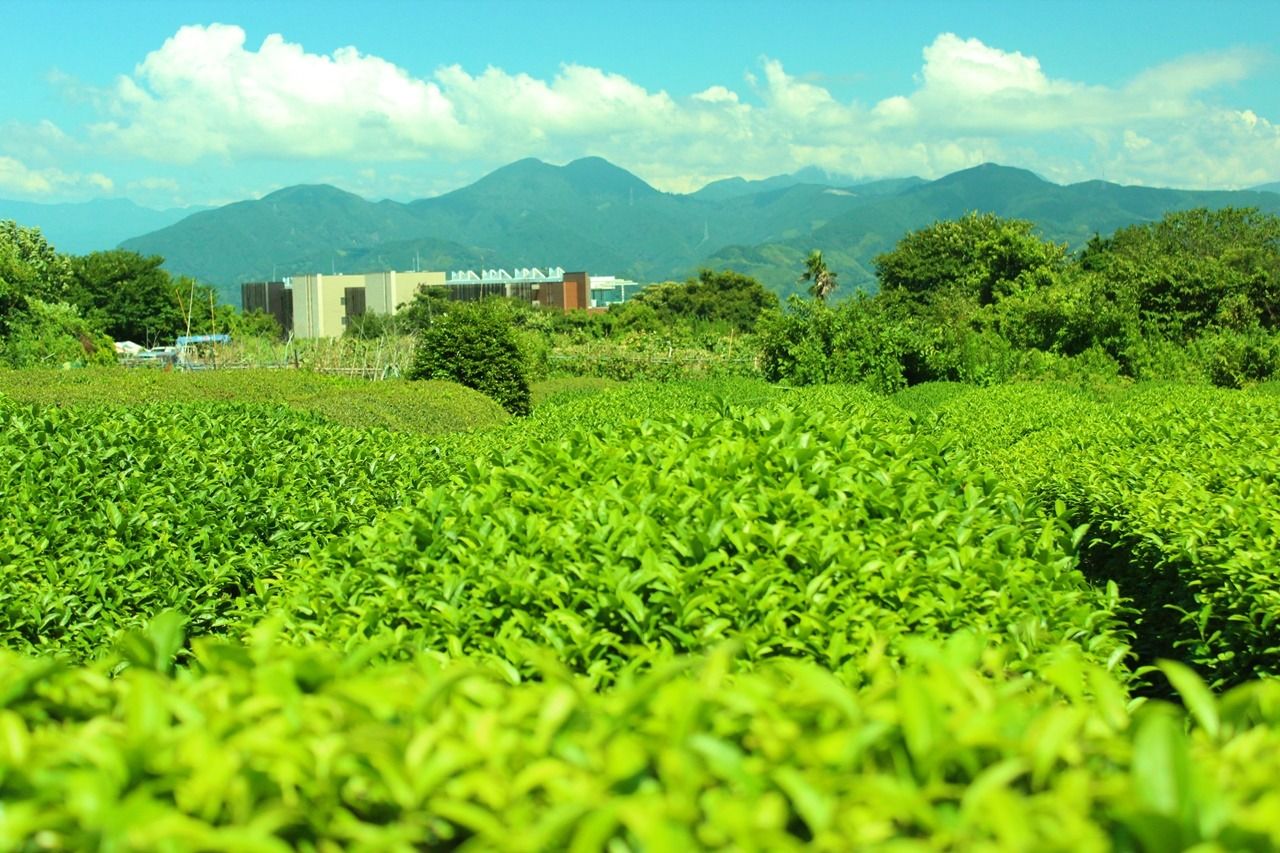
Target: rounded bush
x,y
475,345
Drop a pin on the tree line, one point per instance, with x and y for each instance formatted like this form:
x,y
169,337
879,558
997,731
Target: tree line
x,y
1194,296
68,309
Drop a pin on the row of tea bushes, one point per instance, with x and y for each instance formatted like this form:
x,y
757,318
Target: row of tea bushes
x,y
112,514
812,527
260,748
419,407
655,617
1179,487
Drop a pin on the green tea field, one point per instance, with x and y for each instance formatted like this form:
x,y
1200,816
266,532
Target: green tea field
x,y
239,613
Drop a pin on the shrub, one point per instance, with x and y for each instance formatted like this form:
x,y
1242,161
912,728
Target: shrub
x,y
475,345
813,344
1234,359
52,335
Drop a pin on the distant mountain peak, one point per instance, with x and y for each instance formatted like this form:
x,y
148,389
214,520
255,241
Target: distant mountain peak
x,y
592,161
600,174
309,193
588,176
993,171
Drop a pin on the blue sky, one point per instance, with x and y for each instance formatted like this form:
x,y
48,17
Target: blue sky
x,y
173,103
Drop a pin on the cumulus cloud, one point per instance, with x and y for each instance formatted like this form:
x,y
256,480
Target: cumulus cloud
x,y
968,86
1220,148
202,93
206,93
18,178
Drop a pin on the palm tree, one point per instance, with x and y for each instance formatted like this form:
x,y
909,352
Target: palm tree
x,y
815,271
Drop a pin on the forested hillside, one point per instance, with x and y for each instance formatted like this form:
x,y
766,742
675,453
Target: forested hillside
x,y
593,215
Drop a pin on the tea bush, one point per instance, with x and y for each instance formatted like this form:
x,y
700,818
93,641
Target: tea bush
x,y
424,407
114,514
807,529
1178,485
651,616
260,748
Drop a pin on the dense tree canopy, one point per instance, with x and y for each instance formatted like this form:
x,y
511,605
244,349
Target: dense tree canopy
x,y
979,299
1194,269
979,255
129,296
59,309
716,296
30,268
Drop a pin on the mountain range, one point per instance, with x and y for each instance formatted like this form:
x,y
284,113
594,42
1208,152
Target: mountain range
x,y
88,226
593,215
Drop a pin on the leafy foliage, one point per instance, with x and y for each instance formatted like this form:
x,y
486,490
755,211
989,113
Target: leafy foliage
x,y
422,407
650,616
45,334
1195,268
130,297
807,532
1178,486
172,507
822,281
474,345
981,299
716,297
267,749
979,256
30,268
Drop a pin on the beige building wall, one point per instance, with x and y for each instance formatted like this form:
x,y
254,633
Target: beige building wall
x,y
409,283
318,306
385,292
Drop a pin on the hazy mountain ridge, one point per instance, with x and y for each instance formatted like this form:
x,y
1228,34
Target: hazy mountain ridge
x,y
593,215
89,226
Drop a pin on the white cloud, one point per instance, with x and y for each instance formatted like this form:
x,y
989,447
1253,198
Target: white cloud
x,y
202,93
1222,148
968,68
967,86
18,178
578,102
717,95
205,93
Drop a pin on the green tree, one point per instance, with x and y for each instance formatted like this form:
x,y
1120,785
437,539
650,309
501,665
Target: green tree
x,y
857,341
1194,269
130,296
716,296
30,268
980,255
53,334
421,311
254,324
475,344
822,281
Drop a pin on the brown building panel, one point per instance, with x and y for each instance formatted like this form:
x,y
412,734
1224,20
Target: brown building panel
x,y
577,291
